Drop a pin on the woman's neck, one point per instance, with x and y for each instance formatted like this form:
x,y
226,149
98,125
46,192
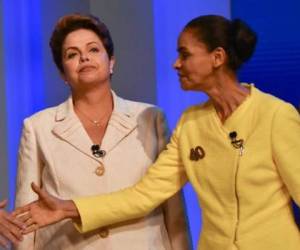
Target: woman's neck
x,y
94,102
226,95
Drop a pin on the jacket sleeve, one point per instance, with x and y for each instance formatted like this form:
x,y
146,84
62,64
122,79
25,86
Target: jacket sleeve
x,y
162,180
286,148
173,209
29,168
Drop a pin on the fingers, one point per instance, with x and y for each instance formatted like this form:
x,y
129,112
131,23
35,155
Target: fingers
x,y
29,222
8,225
3,203
33,227
21,210
10,235
4,242
24,217
43,195
15,221
37,190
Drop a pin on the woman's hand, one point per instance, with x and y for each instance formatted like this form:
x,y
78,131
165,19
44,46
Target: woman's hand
x,y
45,211
10,227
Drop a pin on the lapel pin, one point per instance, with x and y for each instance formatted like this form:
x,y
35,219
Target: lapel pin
x,y
197,153
97,152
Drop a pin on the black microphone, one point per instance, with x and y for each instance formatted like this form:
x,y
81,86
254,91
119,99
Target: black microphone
x,y
235,142
97,152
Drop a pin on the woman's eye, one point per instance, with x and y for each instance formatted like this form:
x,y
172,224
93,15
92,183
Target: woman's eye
x,y
71,55
94,49
184,55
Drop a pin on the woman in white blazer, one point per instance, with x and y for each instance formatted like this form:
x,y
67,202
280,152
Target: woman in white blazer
x,y
93,143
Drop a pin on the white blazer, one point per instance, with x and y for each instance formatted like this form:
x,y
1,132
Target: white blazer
x,y
55,152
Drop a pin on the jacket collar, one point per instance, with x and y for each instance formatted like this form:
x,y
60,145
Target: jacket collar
x,y
69,128
243,118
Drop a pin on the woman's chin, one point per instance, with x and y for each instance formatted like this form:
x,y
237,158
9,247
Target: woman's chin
x,y
86,78
89,80
191,86
185,86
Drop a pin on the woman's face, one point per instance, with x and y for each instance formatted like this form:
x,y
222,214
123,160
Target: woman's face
x,y
194,63
85,60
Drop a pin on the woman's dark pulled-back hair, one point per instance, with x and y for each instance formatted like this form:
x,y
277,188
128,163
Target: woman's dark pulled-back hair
x,y
70,23
235,37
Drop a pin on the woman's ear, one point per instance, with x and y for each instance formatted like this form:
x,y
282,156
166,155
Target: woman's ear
x,y
219,57
62,75
111,65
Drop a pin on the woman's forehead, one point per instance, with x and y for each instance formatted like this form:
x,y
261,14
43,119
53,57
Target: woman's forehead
x,y
189,38
81,36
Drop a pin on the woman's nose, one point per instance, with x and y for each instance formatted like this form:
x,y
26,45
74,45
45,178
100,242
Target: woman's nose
x,y
176,64
84,58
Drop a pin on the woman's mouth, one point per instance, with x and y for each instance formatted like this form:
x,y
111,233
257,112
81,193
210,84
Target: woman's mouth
x,y
86,69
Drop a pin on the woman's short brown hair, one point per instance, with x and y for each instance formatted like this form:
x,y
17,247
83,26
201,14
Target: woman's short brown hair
x,y
70,23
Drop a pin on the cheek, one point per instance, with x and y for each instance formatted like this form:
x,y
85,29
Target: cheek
x,y
68,74
203,66
69,67
191,67
105,62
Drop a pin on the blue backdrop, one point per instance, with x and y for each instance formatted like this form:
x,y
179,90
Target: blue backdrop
x,y
275,67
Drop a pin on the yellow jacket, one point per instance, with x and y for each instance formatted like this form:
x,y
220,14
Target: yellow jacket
x,y
245,195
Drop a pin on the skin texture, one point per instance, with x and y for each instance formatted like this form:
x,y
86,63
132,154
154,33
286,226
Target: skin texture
x,y
195,65
45,211
85,61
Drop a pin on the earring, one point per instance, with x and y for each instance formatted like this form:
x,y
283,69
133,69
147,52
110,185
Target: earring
x,y
111,71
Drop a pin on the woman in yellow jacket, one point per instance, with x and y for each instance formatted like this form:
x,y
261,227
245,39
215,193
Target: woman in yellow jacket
x,y
240,150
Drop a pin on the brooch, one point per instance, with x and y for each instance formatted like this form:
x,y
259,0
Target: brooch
x,y
197,153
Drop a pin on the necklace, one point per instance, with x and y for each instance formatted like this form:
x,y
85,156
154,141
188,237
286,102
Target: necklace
x,y
97,123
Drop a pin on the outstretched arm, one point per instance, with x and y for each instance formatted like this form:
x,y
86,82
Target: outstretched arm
x,y
45,211
173,208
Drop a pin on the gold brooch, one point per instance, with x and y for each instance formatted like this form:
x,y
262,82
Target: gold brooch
x,y
197,153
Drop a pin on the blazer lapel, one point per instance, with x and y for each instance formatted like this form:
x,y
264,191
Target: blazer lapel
x,y
121,124
69,128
